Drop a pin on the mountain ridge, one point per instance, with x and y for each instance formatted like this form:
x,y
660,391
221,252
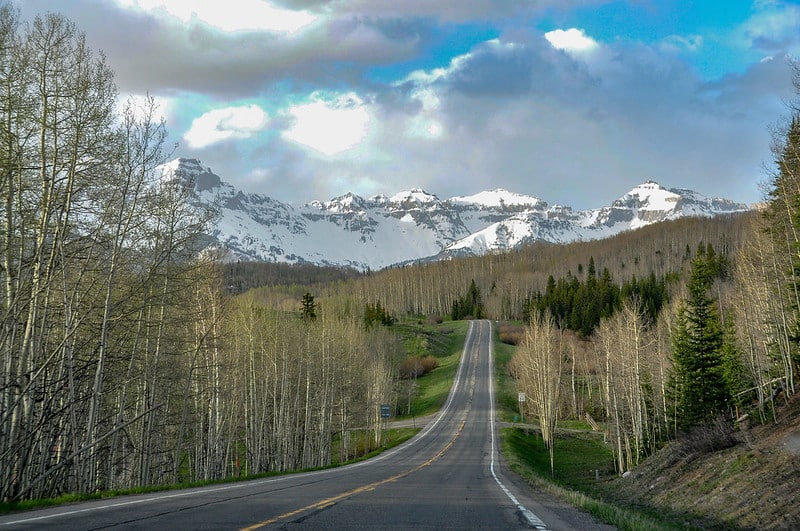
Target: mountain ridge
x,y
414,225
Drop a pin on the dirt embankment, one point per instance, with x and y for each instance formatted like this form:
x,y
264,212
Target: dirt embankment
x,y
754,484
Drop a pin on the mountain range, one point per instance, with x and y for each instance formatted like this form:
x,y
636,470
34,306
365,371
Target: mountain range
x,y
380,231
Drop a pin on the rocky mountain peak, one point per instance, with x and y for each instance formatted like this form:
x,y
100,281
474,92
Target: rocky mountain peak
x,y
415,225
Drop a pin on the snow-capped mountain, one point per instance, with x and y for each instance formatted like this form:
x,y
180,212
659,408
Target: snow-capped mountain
x,y
381,231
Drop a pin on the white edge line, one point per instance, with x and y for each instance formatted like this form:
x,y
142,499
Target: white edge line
x,y
533,520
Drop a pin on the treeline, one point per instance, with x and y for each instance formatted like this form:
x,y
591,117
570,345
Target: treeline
x,y
580,304
239,277
508,282
470,306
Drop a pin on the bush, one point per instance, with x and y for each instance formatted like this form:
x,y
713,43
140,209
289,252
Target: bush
x,y
416,366
712,437
511,334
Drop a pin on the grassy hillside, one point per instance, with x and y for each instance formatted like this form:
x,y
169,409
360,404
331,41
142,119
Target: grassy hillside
x,y
750,485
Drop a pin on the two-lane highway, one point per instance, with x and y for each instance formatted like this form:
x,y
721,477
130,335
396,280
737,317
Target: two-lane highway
x,y
449,476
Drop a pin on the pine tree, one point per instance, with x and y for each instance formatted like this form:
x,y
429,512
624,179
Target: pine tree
x,y
308,308
470,306
737,378
699,384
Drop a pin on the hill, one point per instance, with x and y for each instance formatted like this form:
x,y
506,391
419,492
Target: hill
x,y
750,484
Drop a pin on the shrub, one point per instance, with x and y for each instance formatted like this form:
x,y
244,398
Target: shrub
x,y
707,438
511,334
416,366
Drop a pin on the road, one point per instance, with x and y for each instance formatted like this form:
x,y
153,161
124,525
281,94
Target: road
x,y
450,476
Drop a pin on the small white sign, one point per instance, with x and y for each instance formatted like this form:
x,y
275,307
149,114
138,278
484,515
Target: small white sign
x,y
521,397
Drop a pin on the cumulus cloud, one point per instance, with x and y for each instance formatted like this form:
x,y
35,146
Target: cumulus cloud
x,y
570,40
227,123
153,50
375,96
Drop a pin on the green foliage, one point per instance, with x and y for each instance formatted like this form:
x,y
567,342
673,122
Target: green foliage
x,y
581,305
698,379
783,213
308,308
470,306
737,378
376,314
650,292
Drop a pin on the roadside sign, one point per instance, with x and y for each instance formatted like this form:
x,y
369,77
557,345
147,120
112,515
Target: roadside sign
x,y
521,397
386,411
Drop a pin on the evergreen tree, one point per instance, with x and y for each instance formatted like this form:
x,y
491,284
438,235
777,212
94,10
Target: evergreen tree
x,y
470,306
699,384
737,377
308,308
375,313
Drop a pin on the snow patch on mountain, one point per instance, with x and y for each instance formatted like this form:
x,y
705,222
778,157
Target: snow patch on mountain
x,y
381,231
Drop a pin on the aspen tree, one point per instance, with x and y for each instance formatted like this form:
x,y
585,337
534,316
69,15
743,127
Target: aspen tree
x,y
538,362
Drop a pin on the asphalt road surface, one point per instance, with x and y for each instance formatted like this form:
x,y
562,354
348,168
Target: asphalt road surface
x,y
450,476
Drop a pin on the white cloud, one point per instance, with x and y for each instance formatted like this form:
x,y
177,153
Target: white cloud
x,y
571,40
426,124
427,128
773,22
227,123
329,124
679,43
229,15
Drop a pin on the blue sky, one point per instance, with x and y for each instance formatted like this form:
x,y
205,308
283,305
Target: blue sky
x,y
572,101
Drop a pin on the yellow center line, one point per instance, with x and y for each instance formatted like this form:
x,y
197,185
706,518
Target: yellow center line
x,y
323,504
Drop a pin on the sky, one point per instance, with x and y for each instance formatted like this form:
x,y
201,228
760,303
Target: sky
x,y
572,101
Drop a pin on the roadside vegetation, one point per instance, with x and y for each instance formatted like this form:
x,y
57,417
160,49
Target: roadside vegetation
x,y
132,360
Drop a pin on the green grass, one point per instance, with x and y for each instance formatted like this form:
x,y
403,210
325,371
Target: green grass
x,y
575,460
505,390
445,341
578,458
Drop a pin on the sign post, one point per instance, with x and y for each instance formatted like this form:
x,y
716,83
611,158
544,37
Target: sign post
x,y
386,412
521,399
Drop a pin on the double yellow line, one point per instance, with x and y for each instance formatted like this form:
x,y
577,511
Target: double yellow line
x,y
323,504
